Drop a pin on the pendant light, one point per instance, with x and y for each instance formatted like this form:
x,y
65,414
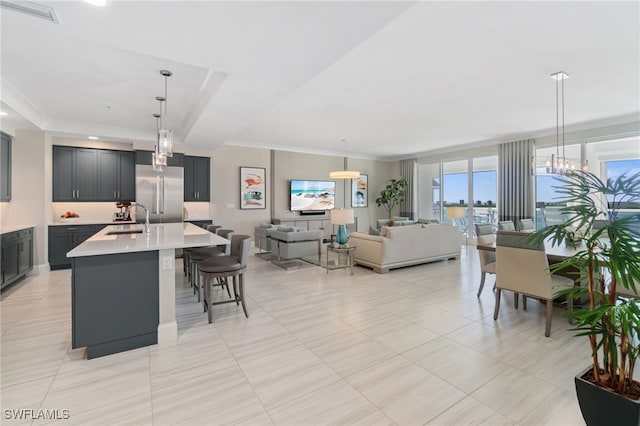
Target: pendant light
x,y
165,136
158,159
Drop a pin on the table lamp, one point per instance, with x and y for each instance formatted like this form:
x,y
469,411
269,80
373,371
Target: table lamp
x,y
456,213
342,217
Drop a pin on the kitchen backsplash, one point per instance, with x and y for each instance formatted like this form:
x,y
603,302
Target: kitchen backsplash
x,y
103,212
88,212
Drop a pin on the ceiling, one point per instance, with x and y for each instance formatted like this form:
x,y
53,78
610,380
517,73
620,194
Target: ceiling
x,y
376,79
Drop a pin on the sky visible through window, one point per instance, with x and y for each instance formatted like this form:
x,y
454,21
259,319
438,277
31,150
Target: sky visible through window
x,y
545,183
484,187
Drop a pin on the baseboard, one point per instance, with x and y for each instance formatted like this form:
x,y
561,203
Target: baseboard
x,y
38,269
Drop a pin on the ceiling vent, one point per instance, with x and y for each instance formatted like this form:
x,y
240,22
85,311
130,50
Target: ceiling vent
x,y
30,8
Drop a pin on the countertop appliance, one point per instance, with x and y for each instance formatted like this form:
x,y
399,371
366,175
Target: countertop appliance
x,y
161,192
123,215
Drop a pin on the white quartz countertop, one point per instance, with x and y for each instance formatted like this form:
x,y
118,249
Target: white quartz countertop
x,y
162,236
13,228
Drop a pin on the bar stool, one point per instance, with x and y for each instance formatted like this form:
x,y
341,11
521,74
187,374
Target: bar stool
x,y
188,264
234,266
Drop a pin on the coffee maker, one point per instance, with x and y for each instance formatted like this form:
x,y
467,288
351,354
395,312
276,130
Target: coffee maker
x,y
123,215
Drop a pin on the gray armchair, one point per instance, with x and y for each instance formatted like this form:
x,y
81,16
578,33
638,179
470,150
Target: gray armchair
x,y
262,237
294,243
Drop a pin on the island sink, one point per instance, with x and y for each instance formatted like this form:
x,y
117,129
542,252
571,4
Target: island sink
x,y
125,231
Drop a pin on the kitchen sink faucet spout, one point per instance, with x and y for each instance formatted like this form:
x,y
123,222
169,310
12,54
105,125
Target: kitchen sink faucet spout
x,y
146,211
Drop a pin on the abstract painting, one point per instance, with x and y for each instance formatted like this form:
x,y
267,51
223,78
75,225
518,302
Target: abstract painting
x,y
253,188
359,192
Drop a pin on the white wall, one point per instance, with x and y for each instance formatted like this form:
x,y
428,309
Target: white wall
x,y
27,205
225,189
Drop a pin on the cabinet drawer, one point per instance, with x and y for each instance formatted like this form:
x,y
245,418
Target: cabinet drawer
x,y
25,233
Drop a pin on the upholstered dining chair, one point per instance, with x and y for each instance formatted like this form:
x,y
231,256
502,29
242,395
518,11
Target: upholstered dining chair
x,y
234,266
523,268
484,232
526,225
506,225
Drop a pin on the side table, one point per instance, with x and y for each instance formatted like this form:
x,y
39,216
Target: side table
x,y
340,252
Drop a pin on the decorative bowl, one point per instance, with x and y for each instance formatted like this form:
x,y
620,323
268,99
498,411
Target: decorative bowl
x,y
69,219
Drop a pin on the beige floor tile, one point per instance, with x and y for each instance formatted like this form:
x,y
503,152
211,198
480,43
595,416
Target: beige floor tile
x,y
282,376
471,412
335,404
397,334
24,366
350,351
518,396
435,319
27,395
405,392
460,366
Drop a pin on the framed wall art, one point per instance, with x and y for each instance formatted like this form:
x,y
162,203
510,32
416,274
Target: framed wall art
x,y
360,192
253,194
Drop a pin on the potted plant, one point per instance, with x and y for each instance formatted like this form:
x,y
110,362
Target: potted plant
x,y
392,194
607,254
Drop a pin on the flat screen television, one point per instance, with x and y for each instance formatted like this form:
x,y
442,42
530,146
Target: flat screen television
x,y
312,196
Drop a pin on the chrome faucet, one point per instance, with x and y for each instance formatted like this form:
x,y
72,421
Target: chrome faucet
x,y
146,222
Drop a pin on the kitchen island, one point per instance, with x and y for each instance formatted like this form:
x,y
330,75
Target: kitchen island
x,y
123,285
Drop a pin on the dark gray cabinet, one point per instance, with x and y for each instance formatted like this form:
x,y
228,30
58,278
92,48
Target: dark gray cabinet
x,y
75,175
116,176
17,255
86,174
5,167
196,178
115,302
62,239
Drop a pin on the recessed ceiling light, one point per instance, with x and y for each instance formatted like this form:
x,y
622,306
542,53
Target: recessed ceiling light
x,y
93,138
96,2
2,113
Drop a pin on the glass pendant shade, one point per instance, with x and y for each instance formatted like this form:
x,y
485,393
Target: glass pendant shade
x,y
165,142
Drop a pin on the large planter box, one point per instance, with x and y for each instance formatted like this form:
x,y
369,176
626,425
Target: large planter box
x,y
601,407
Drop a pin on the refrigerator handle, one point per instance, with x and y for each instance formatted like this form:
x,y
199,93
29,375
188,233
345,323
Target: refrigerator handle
x,y
161,195
156,195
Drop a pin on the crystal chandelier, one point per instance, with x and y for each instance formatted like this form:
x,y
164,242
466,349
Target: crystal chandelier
x,y
558,163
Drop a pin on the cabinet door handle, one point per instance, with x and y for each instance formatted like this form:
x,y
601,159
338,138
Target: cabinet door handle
x,y
119,193
115,194
78,193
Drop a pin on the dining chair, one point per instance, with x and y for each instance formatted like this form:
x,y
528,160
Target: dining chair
x,y
234,266
506,225
524,268
484,232
526,225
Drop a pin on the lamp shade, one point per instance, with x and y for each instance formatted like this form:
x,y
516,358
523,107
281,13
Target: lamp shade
x,y
342,216
456,212
344,174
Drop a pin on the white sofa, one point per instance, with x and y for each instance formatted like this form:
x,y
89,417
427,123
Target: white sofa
x,y
406,245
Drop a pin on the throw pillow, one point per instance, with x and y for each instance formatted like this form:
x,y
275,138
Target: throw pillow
x,y
384,231
283,228
373,231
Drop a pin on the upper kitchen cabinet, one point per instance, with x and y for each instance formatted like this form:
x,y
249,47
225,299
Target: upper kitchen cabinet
x,y
75,176
196,178
5,168
116,176
85,174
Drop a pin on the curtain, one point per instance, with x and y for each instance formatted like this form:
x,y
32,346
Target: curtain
x,y
515,180
408,171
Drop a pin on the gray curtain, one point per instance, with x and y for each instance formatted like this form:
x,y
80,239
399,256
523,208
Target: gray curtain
x,y
515,181
409,172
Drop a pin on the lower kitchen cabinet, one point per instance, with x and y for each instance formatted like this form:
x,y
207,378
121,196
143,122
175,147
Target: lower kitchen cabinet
x,y
17,255
62,239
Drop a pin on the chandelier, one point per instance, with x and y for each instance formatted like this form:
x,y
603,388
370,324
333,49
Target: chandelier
x,y
558,163
164,143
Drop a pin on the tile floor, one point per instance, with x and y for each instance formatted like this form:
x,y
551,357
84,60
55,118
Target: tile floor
x,y
411,347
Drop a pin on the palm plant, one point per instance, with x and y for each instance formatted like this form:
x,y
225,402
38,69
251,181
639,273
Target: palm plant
x,y
608,258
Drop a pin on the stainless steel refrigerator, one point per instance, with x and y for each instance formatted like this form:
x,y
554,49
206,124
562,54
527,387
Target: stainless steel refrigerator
x,y
160,192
